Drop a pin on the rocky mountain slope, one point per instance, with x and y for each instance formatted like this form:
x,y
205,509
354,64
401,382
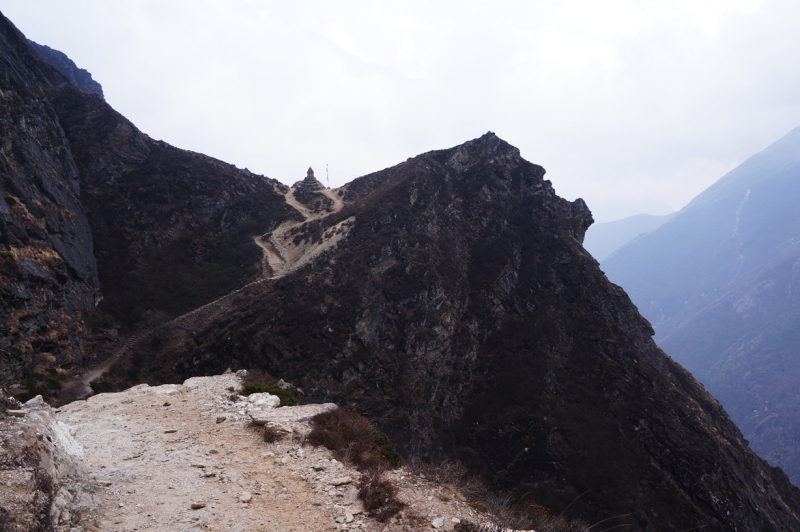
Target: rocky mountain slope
x,y
105,230
184,457
447,298
720,283
80,77
462,314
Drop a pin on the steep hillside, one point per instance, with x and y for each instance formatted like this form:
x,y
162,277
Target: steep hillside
x,y
463,315
104,229
719,283
80,77
603,239
48,272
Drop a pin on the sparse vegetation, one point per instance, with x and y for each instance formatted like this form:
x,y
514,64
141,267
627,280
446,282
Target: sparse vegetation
x,y
352,438
34,386
272,434
287,399
99,387
388,452
379,494
33,513
506,513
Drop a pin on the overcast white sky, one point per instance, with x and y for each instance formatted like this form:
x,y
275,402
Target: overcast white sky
x,y
634,105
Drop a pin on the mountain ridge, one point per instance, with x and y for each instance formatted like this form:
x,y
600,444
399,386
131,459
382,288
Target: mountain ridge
x,y
455,306
418,317
80,77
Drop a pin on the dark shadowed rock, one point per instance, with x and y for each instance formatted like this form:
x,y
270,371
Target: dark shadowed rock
x,y
103,228
462,314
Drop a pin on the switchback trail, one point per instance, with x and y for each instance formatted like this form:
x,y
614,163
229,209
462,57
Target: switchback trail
x,y
281,257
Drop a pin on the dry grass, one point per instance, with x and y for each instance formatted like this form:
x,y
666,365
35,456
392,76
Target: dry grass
x,y
349,435
379,494
272,434
353,439
505,513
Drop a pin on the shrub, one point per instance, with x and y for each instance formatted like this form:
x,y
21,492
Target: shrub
x,y
253,387
388,452
353,439
349,435
287,399
24,397
53,384
10,200
99,387
379,495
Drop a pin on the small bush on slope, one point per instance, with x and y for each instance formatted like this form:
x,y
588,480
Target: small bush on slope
x,y
99,387
353,439
287,399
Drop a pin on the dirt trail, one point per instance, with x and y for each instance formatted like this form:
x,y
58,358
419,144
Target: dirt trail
x,y
156,451
281,257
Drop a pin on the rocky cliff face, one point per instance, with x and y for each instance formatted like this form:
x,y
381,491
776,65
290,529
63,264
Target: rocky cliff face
x,y
103,228
80,77
48,272
462,313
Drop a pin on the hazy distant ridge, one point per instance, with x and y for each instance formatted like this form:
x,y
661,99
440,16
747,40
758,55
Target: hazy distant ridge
x,y
603,239
720,282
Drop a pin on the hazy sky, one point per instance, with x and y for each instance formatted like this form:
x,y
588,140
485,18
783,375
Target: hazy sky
x,y
636,106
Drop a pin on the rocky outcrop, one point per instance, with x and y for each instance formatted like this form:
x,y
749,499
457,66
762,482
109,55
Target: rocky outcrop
x,y
45,484
80,77
463,316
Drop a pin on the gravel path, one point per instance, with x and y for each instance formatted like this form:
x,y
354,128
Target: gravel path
x,y
157,461
154,452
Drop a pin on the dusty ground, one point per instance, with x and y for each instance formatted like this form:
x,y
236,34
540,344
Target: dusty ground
x,y
156,451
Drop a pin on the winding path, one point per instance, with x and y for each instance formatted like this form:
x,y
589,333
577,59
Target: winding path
x,y
281,257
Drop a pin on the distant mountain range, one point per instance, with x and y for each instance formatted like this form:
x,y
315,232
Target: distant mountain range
x,y
721,284
603,239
